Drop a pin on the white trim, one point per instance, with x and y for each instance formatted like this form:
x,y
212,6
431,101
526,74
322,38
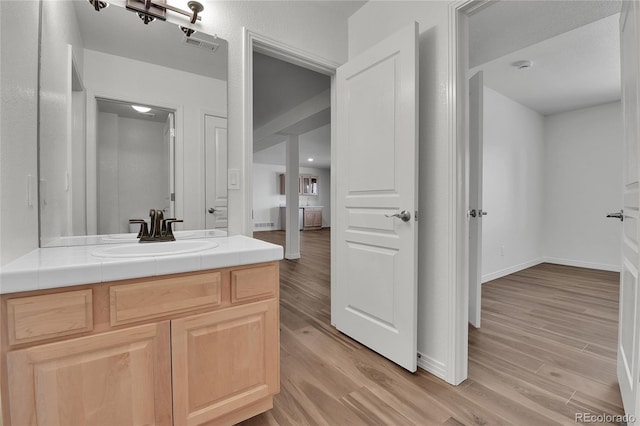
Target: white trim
x,y
582,264
555,260
334,192
457,351
433,366
511,269
457,101
253,41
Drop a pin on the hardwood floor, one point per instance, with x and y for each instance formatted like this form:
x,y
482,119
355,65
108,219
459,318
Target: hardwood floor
x,y
546,351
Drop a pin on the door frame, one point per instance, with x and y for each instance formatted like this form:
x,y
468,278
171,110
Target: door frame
x,y
458,103
253,41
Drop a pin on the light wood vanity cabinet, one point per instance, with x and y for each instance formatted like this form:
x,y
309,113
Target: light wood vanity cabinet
x,y
184,349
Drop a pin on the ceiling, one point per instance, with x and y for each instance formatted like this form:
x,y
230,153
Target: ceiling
x,y
315,144
575,68
344,8
280,86
118,31
280,89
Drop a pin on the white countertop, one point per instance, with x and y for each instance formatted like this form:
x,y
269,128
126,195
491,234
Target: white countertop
x,y
54,267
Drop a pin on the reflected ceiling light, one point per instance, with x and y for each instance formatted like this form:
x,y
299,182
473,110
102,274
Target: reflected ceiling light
x,y
141,109
310,160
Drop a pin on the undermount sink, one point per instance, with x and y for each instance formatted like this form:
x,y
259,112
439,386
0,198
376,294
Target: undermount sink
x,y
165,248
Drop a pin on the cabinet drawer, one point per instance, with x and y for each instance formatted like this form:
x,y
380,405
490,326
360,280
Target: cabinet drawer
x,y
158,298
254,283
35,318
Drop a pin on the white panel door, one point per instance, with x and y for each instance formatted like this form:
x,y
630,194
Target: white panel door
x,y
475,198
628,331
376,174
215,152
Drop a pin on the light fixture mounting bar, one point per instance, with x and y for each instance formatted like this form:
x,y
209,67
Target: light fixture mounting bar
x,y
158,9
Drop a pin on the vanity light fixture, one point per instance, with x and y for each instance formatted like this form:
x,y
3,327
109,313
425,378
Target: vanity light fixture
x,y
149,10
98,5
142,109
310,160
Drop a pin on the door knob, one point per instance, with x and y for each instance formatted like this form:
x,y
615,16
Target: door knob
x,y
478,213
404,215
212,210
617,215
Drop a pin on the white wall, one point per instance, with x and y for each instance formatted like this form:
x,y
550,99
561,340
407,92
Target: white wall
x,y
18,128
583,174
107,172
60,42
133,173
512,232
440,337
267,199
548,184
190,95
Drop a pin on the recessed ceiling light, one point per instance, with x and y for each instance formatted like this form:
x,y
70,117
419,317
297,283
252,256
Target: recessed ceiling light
x,y
310,160
141,108
522,65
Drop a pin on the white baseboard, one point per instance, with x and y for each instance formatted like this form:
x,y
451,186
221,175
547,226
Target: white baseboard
x,y
582,264
434,367
510,270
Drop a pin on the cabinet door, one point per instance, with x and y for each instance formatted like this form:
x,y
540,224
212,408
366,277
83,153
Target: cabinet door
x,y
317,219
116,378
224,361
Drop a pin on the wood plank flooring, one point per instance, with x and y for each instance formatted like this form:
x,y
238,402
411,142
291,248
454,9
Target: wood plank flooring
x,y
546,351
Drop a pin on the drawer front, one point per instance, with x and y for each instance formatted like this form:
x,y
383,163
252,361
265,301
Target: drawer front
x,y
34,318
254,283
161,297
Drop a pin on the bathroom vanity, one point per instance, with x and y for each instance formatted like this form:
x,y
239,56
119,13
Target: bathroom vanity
x,y
183,339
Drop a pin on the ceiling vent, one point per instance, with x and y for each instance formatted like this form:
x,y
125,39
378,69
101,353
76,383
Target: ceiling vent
x,y
522,65
201,44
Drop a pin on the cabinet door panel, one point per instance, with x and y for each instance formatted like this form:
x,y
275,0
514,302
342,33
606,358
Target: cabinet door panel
x,y
245,367
115,378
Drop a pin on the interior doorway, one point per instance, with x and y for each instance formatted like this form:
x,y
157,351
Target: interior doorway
x,y
527,184
548,149
291,149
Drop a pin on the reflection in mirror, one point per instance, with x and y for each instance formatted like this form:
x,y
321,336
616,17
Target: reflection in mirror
x,y
88,58
134,144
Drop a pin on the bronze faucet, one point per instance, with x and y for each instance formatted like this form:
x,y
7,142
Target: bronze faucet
x,y
161,229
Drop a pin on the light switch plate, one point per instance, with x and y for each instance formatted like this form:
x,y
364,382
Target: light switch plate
x,y
233,179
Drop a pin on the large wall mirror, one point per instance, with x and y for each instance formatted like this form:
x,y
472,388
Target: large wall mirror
x,y
132,118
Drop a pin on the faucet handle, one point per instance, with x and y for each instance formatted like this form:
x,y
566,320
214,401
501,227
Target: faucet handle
x,y
144,231
168,232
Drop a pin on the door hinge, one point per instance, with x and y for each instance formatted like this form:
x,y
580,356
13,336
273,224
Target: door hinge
x,y
172,132
416,216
